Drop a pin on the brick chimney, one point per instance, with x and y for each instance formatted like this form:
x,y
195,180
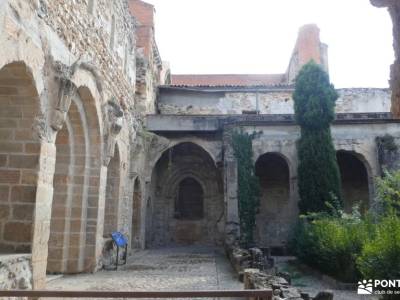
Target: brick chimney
x,y
144,15
308,47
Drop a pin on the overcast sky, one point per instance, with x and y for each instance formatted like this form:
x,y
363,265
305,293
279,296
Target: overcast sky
x,y
258,36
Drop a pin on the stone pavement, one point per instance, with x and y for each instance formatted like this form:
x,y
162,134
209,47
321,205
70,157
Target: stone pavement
x,y
180,268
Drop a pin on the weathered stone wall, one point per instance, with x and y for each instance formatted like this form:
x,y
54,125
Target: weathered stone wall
x,y
275,157
19,156
278,101
277,212
67,90
102,34
148,59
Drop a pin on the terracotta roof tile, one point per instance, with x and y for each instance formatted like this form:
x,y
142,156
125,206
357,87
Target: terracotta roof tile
x,y
227,79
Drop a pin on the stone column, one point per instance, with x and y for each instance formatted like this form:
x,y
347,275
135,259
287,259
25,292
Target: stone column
x,y
394,10
100,219
232,226
41,225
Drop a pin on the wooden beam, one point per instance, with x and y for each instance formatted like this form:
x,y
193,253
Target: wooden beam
x,y
261,294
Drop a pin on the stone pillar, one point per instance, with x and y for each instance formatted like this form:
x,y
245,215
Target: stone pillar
x,y
41,225
232,226
394,10
144,213
100,219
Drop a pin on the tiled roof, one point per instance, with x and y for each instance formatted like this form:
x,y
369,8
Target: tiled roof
x,y
227,80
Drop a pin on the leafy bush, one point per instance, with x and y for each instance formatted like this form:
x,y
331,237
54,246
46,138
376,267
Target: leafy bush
x,y
388,191
380,256
332,244
351,247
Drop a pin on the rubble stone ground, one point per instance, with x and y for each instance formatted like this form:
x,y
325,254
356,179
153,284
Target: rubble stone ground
x,y
312,284
178,268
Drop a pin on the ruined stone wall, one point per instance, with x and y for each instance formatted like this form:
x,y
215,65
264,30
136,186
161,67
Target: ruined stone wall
x,y
148,59
276,213
278,209
19,156
147,81
67,90
271,102
101,32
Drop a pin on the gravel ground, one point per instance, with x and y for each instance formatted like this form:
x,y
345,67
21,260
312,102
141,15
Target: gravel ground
x,y
184,268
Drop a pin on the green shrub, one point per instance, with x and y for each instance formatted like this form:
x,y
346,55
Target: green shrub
x,y
332,245
318,173
388,192
380,256
349,247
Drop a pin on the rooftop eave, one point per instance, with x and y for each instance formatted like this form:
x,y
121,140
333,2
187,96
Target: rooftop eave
x,y
228,88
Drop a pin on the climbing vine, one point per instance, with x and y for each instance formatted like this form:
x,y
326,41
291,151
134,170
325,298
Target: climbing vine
x,y
387,152
248,185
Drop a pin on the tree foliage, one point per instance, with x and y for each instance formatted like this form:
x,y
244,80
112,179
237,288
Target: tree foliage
x,y
248,185
318,172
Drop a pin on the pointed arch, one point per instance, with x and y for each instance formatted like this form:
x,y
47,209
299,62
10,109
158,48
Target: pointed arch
x,y
178,164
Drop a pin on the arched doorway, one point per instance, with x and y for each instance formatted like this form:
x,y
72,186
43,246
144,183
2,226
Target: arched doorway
x,y
354,175
275,217
19,158
136,214
112,195
186,198
189,202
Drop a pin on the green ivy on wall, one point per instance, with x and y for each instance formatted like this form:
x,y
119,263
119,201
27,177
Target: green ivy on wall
x,y
248,185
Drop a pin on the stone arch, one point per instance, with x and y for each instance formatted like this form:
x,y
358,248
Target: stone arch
x,y
76,155
19,157
175,164
95,174
136,214
174,143
275,216
30,54
112,194
354,172
78,249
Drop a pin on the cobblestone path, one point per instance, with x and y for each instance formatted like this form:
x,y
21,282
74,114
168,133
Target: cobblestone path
x,y
183,268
